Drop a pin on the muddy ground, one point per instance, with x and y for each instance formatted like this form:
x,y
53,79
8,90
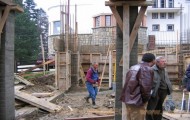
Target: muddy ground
x,y
74,104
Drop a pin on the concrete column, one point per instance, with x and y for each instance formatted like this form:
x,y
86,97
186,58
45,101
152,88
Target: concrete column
x,y
7,109
134,51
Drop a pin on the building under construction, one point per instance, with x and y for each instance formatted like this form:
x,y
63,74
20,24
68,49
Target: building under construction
x,y
118,41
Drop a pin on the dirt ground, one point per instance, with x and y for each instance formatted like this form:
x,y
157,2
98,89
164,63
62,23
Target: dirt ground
x,y
74,104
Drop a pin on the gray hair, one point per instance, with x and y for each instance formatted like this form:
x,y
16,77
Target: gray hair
x,y
93,63
159,58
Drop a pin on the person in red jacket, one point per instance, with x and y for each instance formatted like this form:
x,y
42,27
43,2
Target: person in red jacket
x,y
92,82
137,89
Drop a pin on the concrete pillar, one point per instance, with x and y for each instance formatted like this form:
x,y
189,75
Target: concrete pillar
x,y
7,109
134,51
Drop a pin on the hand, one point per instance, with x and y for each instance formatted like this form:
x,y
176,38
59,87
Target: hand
x,y
96,84
185,90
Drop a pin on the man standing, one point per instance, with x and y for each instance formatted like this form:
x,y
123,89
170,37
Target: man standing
x,y
161,88
137,88
92,82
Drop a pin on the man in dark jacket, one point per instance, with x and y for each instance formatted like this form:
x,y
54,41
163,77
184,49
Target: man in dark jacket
x,y
137,88
186,80
92,82
161,88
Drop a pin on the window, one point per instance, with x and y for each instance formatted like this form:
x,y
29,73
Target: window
x,y
97,20
162,3
170,27
108,20
162,15
170,3
155,5
56,27
154,15
155,27
170,15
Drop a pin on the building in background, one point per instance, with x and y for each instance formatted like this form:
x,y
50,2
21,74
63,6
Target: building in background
x,y
102,29
167,22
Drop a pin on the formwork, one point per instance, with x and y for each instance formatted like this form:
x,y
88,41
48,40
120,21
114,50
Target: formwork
x,y
63,70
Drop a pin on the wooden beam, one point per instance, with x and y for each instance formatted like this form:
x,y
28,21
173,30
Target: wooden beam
x,y
126,50
40,103
4,17
17,8
37,66
117,17
106,117
137,25
26,82
130,3
135,29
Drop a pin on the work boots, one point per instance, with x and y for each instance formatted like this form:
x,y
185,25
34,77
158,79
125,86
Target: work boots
x,y
87,99
94,105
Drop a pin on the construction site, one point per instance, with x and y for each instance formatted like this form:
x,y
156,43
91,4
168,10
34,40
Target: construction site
x,y
59,94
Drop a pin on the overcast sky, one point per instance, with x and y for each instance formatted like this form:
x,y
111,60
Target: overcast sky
x,y
86,9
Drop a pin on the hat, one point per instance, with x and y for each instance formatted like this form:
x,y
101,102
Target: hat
x,y
148,57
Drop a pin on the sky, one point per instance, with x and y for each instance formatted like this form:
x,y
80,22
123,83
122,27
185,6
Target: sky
x,y
86,10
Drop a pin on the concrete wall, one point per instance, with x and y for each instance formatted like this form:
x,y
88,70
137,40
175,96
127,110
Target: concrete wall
x,y
99,40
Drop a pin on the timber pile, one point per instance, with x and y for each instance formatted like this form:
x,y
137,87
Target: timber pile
x,y
40,103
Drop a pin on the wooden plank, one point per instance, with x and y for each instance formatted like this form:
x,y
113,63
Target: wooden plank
x,y
23,80
82,74
104,67
130,3
109,117
126,50
17,8
4,17
37,66
40,103
42,95
110,69
135,29
117,17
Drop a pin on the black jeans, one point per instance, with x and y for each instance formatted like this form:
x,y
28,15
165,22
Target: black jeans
x,y
154,107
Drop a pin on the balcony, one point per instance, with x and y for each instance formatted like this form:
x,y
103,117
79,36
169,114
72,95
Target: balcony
x,y
158,10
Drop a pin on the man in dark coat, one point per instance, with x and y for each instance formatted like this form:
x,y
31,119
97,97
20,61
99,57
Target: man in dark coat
x,y
137,88
186,80
161,88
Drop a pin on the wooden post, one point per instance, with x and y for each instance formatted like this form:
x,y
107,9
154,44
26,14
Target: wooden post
x,y
110,69
43,57
126,49
104,68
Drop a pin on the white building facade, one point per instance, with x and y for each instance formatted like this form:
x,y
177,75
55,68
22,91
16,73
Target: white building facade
x,y
168,20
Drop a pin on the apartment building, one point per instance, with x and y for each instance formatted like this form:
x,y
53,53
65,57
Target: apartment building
x,y
167,20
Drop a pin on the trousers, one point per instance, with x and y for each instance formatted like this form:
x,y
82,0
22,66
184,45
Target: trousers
x,y
92,91
154,107
136,112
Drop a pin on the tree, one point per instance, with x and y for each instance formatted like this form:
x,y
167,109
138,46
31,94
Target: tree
x,y
27,40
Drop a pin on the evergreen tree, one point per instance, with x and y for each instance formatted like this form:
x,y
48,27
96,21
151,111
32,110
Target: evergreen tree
x,y
28,27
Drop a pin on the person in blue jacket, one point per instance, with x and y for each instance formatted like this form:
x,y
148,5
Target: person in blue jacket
x,y
92,82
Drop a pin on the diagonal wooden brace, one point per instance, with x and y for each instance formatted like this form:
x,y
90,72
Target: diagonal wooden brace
x,y
135,29
4,17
